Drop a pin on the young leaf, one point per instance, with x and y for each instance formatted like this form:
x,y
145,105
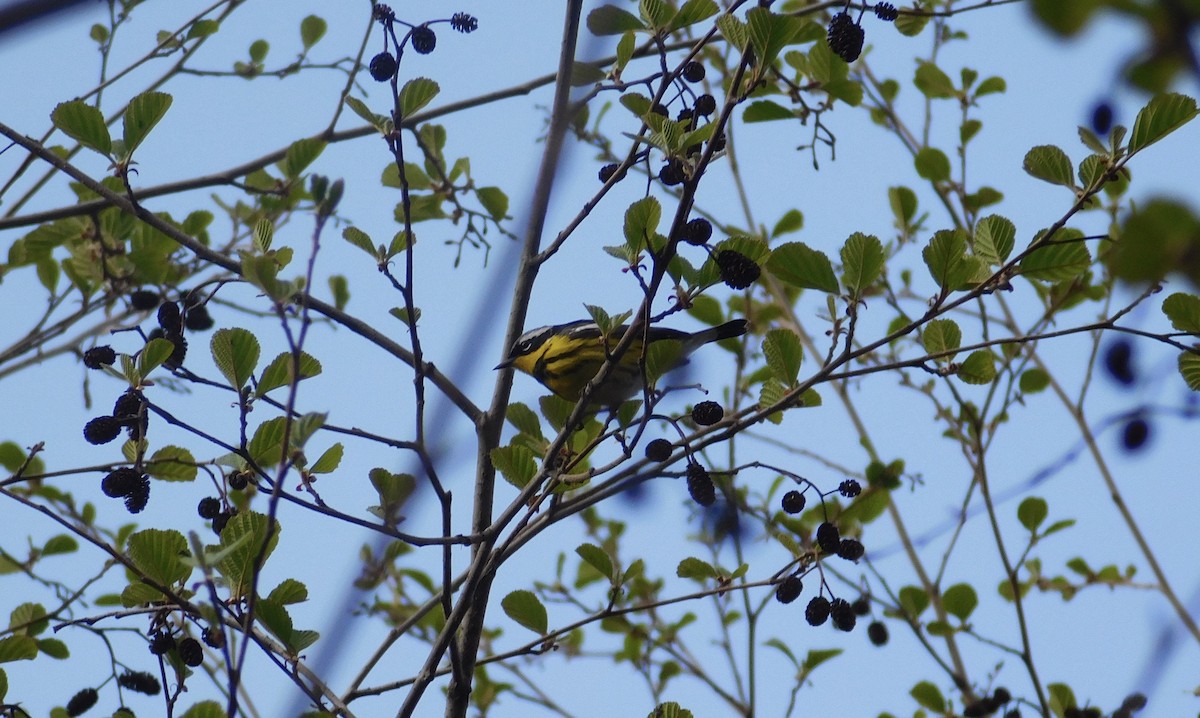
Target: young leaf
x,y
994,239
1160,117
612,20
525,608
978,368
84,124
1184,312
417,93
932,164
802,266
1051,164
235,352
1032,512
941,335
960,600
641,222
783,352
862,262
143,113
596,558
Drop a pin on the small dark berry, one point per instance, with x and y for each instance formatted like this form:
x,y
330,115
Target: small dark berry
x,y
1119,362
817,611
97,357
137,499
793,502
607,171
1134,702
658,450
81,702
190,652
861,606
239,481
659,108
671,173
686,114
424,39
828,537
209,507
120,482
693,71
143,300
101,430
886,11
198,319
700,485
160,643
219,521
464,23
1102,118
179,354
383,67
1000,696
383,13
789,589
849,488
697,231
850,549
1014,713
705,105
877,633
1135,434
737,270
128,406
139,682
978,709
707,413
170,318
213,637
845,37
842,614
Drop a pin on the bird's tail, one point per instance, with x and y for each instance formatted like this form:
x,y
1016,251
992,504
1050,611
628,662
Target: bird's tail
x,y
728,330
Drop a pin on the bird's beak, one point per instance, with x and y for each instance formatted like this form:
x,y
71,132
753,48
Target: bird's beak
x,y
504,364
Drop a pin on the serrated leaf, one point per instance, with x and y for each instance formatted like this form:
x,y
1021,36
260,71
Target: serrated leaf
x,y
289,591
156,351
143,113
246,533
60,544
932,82
328,461
911,25
172,463
978,368
995,237
960,600
1050,164
235,352
18,648
1058,261
862,262
661,357
417,93
1189,369
791,221
802,266
941,335
783,353
1034,380
1184,312
494,200
946,258
913,601
157,554
53,648
84,124
525,608
279,372
692,12
382,124
766,111
641,222
1164,114
515,463
1032,512
266,445
300,154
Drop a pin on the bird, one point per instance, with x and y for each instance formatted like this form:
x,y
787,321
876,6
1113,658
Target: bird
x,y
565,357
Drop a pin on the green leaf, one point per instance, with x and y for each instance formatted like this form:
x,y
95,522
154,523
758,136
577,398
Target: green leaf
x,y
932,82
692,12
289,591
612,20
60,544
1065,17
235,352
515,463
1189,369
84,124
1034,380
911,25
18,648
1058,261
1184,312
661,357
328,462
1159,237
54,648
695,569
960,600
802,266
1061,695
1049,163
596,557
641,222
312,29
155,352
903,202
783,352
279,372
525,608
978,368
928,695
791,221
1164,114
946,258
300,154
157,554
1032,512
994,239
360,239
417,93
862,262
766,111
143,113
932,164
941,335
266,446
585,73
245,538
381,124
172,463
494,201
913,601
991,86
28,619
